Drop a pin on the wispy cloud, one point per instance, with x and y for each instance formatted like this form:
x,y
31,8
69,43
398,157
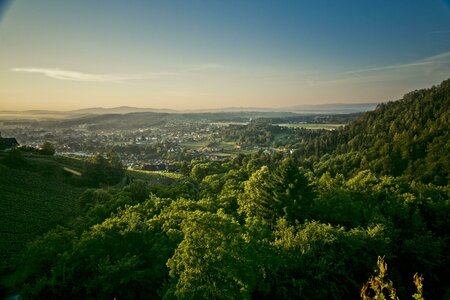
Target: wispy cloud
x,y
425,63
79,76
205,67
437,64
389,67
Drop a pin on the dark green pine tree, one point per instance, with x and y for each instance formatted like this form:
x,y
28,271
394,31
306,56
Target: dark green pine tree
x,y
284,192
256,199
115,168
100,170
290,191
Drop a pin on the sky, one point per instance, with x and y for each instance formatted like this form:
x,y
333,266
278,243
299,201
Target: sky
x,y
178,54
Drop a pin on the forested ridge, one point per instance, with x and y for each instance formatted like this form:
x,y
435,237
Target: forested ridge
x,y
306,225
408,137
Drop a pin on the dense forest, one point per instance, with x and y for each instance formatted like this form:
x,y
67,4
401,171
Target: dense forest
x,y
409,138
307,224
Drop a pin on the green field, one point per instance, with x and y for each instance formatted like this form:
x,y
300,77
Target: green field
x,y
228,123
37,196
151,175
223,148
312,126
195,145
32,202
203,144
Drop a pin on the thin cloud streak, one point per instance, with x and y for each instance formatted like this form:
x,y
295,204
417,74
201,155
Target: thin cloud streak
x,y
390,67
442,58
86,77
439,62
205,67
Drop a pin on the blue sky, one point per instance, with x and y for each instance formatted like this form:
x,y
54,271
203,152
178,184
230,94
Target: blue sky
x,y
205,54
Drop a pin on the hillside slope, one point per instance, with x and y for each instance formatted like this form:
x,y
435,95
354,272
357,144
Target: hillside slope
x,y
409,137
33,199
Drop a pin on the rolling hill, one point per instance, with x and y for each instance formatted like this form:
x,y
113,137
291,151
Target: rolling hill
x,y
34,197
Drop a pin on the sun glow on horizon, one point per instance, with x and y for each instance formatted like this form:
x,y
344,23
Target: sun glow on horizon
x,y
212,55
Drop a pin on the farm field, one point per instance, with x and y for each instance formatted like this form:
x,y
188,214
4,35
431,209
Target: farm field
x,y
30,204
222,149
312,126
195,145
151,176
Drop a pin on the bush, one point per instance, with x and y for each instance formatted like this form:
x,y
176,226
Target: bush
x,y
47,149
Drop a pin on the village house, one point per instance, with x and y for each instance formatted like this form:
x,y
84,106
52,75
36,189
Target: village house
x,y
8,143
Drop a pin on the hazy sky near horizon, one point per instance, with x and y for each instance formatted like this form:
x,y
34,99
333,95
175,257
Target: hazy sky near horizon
x,y
210,54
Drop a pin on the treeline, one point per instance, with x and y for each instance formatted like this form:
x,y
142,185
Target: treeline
x,y
317,119
261,133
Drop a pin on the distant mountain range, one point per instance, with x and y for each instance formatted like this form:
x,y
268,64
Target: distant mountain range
x,y
337,108
321,108
119,110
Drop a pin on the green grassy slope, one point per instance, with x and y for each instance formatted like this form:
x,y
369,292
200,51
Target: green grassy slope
x,y
33,199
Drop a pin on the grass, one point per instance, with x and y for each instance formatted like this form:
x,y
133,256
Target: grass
x,y
228,123
151,175
31,203
222,154
223,148
195,145
226,145
312,126
70,162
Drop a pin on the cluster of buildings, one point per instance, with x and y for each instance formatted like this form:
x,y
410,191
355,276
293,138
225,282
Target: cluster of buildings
x,y
150,148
